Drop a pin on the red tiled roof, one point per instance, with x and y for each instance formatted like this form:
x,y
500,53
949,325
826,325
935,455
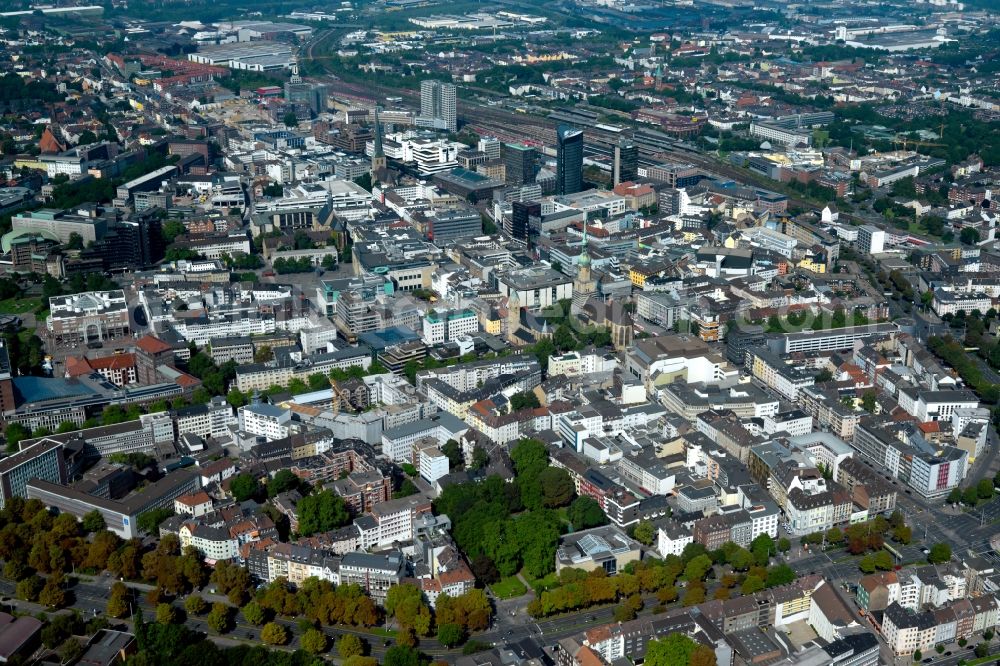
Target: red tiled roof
x,y
76,367
49,143
585,656
113,362
152,345
200,497
185,380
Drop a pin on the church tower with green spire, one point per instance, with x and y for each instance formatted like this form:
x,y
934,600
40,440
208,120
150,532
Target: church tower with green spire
x,y
584,285
378,154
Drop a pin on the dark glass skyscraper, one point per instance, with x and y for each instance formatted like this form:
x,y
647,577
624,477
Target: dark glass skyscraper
x,y
569,160
519,164
626,161
521,216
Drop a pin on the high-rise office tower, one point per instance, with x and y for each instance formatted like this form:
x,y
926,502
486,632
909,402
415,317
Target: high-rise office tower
x,y
521,216
519,164
438,102
308,95
626,162
569,160
490,146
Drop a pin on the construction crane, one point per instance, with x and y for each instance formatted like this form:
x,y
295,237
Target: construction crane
x,y
905,140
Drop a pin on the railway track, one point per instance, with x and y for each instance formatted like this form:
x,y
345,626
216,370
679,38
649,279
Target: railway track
x,y
510,126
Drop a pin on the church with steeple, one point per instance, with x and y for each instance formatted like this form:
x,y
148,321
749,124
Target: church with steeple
x,y
584,285
378,153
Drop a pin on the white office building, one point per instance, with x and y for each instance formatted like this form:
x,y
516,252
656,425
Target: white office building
x,y
446,326
871,239
438,105
265,420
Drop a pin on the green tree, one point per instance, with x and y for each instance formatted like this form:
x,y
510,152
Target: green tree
x,y
52,594
762,548
673,650
984,489
524,400
450,635
150,521
71,650
254,614
969,236
697,568
584,512
955,496
453,450
939,553
779,574
350,645
741,559
563,338
752,584
529,457
51,286
883,560
406,489
29,588
283,481
218,619
171,229
365,181
195,605
274,634
557,487
405,603
321,512
93,521
645,533
290,119
118,600
480,458
14,434
360,661
244,486
314,641
236,398
66,426
166,613
401,655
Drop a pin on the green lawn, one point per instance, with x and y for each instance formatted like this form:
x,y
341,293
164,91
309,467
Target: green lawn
x,y
545,583
983,660
19,305
379,631
508,588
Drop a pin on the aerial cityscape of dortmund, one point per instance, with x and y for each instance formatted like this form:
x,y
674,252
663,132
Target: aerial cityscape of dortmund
x,y
499,333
